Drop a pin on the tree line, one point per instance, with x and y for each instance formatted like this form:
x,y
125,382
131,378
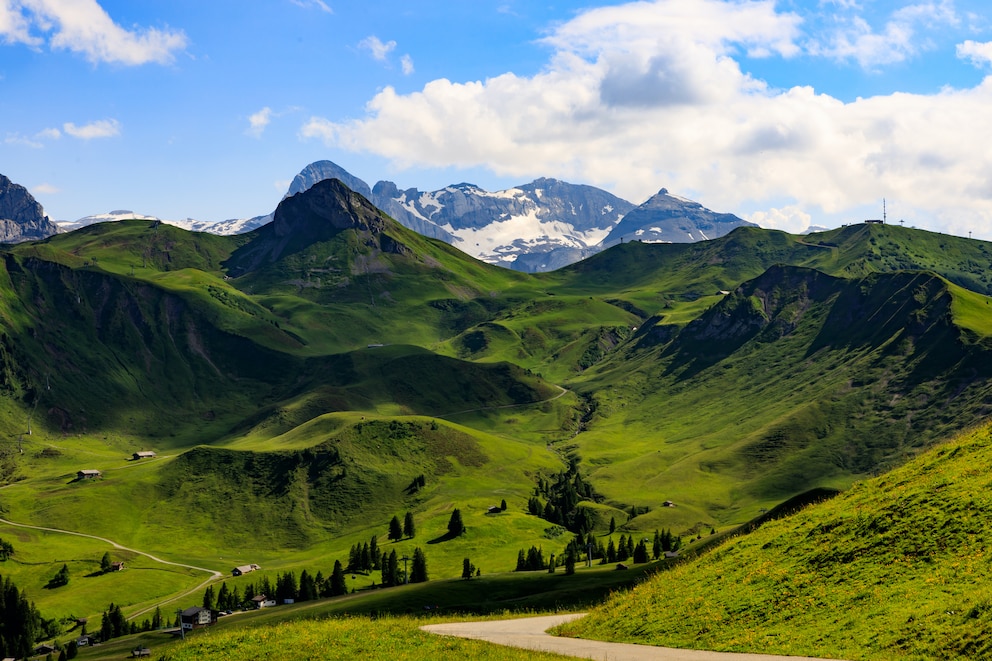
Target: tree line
x,y
625,548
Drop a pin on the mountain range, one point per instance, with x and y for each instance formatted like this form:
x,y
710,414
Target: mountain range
x,y
540,226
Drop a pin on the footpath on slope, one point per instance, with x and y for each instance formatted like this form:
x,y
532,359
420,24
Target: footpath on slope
x,y
214,575
531,633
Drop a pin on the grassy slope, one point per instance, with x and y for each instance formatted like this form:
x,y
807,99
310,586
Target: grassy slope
x,y
783,386
897,567
283,322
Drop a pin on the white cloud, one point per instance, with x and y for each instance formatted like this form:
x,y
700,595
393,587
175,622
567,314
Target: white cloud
x,y
35,141
788,219
313,4
258,121
375,46
15,27
82,26
44,189
649,93
980,54
407,63
103,128
901,39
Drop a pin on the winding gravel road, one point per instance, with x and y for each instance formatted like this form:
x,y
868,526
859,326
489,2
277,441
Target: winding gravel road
x,y
214,575
530,633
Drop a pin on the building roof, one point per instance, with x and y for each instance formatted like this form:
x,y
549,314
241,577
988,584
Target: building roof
x,y
193,610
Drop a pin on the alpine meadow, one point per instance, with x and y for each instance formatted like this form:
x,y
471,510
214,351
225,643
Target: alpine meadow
x,y
783,439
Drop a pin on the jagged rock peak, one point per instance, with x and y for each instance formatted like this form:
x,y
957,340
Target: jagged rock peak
x,y
327,205
21,217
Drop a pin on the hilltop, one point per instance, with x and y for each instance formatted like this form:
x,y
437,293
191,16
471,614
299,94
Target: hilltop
x,y
895,568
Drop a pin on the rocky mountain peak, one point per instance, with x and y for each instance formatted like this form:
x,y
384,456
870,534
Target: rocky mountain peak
x,y
21,217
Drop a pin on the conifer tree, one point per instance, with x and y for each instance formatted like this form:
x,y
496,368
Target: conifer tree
x,y
455,525
468,569
395,530
338,583
409,527
613,525
105,563
418,571
208,597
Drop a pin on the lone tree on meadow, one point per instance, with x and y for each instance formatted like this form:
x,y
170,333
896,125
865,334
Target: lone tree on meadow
x,y
105,563
409,528
468,569
339,585
395,530
455,525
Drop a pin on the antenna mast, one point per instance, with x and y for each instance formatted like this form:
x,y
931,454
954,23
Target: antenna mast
x,y
884,215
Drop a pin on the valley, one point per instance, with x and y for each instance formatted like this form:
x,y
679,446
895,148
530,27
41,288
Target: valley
x,y
307,381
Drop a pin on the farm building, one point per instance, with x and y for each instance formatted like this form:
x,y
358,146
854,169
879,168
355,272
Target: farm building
x,y
261,601
145,454
196,617
87,474
244,569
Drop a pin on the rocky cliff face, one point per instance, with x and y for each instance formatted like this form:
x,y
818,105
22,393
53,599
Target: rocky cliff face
x,y
21,217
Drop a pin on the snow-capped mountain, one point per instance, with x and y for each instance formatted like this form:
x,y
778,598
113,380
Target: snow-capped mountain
x,y
223,227
498,227
667,218
540,226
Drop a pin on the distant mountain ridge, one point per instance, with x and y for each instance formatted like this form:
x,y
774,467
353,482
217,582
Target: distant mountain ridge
x,y
540,226
21,217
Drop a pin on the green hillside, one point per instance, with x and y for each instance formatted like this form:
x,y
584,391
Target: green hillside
x,y
297,380
895,568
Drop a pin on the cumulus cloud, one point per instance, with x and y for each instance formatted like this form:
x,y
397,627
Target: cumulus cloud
x,y
788,219
258,121
652,93
376,47
900,39
83,27
103,128
980,54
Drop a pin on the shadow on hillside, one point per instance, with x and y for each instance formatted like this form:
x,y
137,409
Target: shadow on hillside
x,y
448,536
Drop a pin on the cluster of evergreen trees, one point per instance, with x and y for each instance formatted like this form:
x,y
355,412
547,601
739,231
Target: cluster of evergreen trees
x,y
20,622
562,493
364,557
622,550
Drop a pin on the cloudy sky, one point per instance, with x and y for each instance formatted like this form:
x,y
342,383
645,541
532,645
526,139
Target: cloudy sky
x,y
788,113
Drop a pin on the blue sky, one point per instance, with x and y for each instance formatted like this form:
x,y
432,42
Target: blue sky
x,y
788,113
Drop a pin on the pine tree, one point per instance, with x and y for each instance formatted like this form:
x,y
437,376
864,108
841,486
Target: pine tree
x,y
521,561
418,571
611,552
409,528
613,525
395,530
224,597
455,525
569,561
641,552
308,587
502,505
468,569
208,597
656,546
374,554
105,561
622,549
157,619
339,585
